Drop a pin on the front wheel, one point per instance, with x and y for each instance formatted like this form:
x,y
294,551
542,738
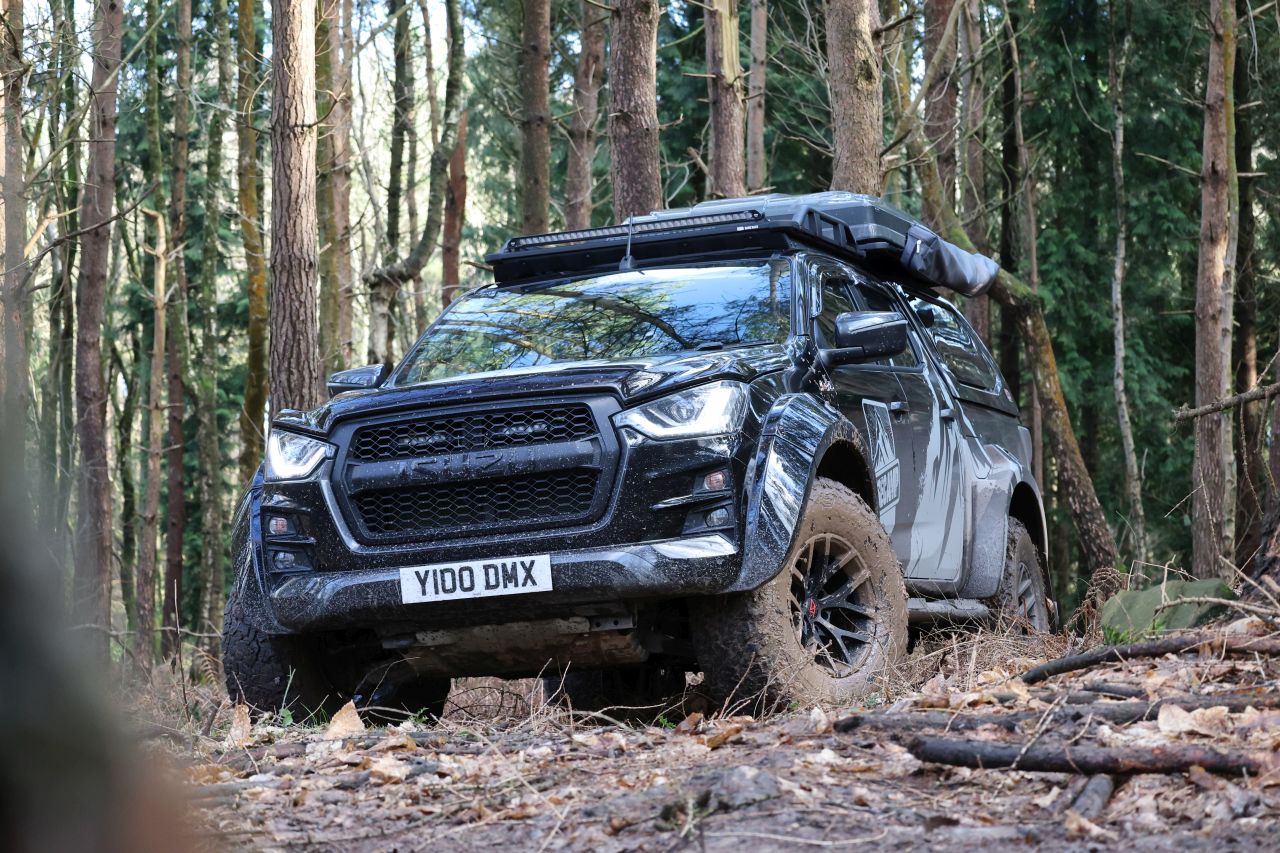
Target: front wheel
x,y
826,630
1021,603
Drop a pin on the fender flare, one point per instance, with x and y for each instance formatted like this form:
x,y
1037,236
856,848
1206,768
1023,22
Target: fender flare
x,y
249,581
796,435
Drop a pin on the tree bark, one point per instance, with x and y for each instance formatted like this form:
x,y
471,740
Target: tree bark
x,y
853,84
724,93
757,161
144,640
13,190
208,436
389,277
578,178
326,58
1118,56
93,523
941,98
254,408
1250,505
633,108
974,180
535,118
296,377
128,488
1211,544
176,513
455,213
342,44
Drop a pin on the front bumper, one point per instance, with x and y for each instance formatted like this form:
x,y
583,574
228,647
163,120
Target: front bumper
x,y
674,568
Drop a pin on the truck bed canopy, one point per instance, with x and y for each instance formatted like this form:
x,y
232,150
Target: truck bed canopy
x,y
859,227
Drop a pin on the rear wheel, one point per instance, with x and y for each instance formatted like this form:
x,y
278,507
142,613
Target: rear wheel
x,y
1021,603
826,629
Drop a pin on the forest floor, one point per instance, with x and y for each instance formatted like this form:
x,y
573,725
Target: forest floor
x,y
503,771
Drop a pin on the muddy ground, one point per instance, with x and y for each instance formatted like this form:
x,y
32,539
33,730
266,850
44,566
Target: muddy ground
x,y
528,777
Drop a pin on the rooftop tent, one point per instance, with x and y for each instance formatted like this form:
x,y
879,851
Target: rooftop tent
x,y
858,226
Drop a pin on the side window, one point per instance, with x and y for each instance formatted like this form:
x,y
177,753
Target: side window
x,y
877,300
964,356
835,301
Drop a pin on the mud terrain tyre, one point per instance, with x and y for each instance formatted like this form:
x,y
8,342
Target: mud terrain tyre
x,y
271,673
1021,602
826,630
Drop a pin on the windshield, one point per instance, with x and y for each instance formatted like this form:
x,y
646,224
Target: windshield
x,y
614,316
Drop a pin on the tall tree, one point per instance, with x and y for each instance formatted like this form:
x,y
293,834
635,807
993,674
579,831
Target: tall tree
x,y
972,127
455,212
342,44
535,118
633,108
13,214
254,405
297,380
93,522
757,161
1118,55
208,436
176,511
940,100
853,83
578,180
726,177
1213,467
326,58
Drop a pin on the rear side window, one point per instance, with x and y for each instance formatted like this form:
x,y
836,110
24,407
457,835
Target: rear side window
x,y
961,352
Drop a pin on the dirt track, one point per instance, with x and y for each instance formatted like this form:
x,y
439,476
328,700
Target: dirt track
x,y
548,781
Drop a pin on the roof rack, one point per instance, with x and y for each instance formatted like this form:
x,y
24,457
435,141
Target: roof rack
x,y
861,227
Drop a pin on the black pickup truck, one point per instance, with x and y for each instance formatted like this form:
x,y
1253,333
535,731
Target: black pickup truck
x,y
747,439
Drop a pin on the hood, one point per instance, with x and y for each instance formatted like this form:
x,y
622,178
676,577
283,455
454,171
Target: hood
x,y
628,380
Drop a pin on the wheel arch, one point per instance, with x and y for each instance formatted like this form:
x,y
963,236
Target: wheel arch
x,y
1025,506
845,463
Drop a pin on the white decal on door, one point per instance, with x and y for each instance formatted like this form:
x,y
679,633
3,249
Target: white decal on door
x,y
884,454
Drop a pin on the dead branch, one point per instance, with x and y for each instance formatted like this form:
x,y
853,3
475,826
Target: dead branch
x,y
1088,759
1148,649
1093,798
1260,392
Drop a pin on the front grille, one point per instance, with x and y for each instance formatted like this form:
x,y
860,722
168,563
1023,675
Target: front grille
x,y
545,498
473,431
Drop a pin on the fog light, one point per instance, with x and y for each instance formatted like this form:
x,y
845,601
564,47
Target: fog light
x,y
285,559
715,481
718,517
278,525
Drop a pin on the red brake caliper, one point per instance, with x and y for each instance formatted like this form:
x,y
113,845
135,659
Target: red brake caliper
x,y
813,608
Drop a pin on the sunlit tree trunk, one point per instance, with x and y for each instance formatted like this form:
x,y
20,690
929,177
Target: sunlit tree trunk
x,y
296,377
326,58
455,213
757,160
1213,466
93,524
633,108
13,190
587,74
853,59
724,92
253,410
535,118
342,43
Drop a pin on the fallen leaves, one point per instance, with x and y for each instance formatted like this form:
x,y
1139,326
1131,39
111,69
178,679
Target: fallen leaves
x,y
240,735
345,723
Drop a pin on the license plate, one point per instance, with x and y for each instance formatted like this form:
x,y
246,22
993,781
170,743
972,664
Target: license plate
x,y
477,579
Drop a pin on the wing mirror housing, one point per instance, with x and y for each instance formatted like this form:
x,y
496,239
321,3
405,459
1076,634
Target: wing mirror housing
x,y
358,378
866,336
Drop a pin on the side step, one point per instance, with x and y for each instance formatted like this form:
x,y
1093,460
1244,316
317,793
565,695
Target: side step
x,y
929,610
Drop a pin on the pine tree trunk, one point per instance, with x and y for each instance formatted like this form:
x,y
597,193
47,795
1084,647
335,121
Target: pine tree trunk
x,y
757,161
297,381
724,93
93,524
1250,506
578,178
176,514
342,43
633,108
974,180
208,435
455,213
326,57
253,411
853,59
941,99
13,216
1211,543
128,488
535,118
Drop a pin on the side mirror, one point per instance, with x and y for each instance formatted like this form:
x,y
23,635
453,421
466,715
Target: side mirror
x,y
356,378
866,336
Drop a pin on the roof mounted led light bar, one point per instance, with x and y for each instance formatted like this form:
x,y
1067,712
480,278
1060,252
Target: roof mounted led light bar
x,y
663,224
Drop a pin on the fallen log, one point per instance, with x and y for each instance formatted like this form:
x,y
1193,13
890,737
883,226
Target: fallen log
x,y
1093,798
1152,648
1047,758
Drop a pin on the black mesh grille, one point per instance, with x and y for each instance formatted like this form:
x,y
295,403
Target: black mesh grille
x,y
473,431
541,498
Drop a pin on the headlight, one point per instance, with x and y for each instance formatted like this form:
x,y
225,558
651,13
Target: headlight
x,y
712,409
291,456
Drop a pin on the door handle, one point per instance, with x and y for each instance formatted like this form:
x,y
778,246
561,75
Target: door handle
x,y
899,408
947,414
